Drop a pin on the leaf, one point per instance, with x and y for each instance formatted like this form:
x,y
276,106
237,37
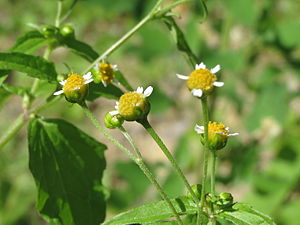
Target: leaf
x,y
242,214
82,49
98,90
34,66
29,42
154,211
121,78
179,38
13,89
67,166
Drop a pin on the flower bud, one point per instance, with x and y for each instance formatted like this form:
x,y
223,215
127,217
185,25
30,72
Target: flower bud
x,y
225,199
67,31
112,120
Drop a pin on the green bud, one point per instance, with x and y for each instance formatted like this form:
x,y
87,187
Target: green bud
x,y
77,96
67,31
112,121
224,200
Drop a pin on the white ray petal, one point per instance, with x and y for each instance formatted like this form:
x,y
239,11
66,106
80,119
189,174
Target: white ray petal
x,y
215,69
234,134
182,77
148,91
88,81
200,66
197,92
219,132
96,67
104,83
117,106
218,83
227,129
113,113
87,76
76,88
140,90
63,82
199,129
58,92
115,67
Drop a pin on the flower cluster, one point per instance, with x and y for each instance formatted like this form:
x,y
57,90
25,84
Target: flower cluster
x,y
105,72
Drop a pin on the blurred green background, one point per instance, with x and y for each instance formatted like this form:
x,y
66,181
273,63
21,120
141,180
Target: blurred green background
x,y
257,43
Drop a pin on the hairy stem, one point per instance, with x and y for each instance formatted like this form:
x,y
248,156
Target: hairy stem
x,y
213,173
205,149
58,13
169,156
149,175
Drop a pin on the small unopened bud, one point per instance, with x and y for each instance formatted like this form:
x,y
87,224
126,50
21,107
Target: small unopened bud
x,y
113,120
225,199
67,31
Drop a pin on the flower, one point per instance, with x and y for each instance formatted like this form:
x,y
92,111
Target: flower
x,y
105,72
75,87
217,134
134,105
113,120
202,81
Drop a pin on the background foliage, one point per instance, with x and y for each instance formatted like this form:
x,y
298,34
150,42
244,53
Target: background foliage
x,y
258,46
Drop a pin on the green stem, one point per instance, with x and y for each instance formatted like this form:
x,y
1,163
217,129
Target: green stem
x,y
206,150
116,45
58,14
68,13
12,130
95,122
213,173
139,161
168,154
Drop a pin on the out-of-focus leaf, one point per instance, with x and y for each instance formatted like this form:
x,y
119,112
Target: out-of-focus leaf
x,y
242,214
289,32
18,90
160,102
289,214
98,90
67,166
82,49
29,42
34,66
153,212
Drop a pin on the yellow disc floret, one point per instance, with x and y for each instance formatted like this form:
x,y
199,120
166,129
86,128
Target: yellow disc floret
x,y
133,106
217,135
201,79
75,88
106,72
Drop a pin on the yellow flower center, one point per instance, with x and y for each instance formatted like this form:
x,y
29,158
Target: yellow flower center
x,y
106,72
129,102
216,128
74,81
201,79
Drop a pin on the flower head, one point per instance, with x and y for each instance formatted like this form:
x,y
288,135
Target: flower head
x,y
134,105
217,134
75,87
202,81
105,72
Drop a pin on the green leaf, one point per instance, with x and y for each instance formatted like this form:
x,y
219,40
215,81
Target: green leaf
x,y
288,32
67,166
98,90
154,211
29,42
121,78
34,66
243,214
178,35
82,49
13,89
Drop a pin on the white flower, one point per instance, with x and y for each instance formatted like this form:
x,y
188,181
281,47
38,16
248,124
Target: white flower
x,y
215,128
201,80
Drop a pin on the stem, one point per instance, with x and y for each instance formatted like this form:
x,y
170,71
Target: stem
x,y
149,175
213,173
12,130
206,150
116,45
58,14
168,154
89,114
67,14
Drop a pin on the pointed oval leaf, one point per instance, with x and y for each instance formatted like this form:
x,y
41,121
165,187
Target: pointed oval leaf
x,y
98,90
34,66
243,214
67,166
153,212
29,42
